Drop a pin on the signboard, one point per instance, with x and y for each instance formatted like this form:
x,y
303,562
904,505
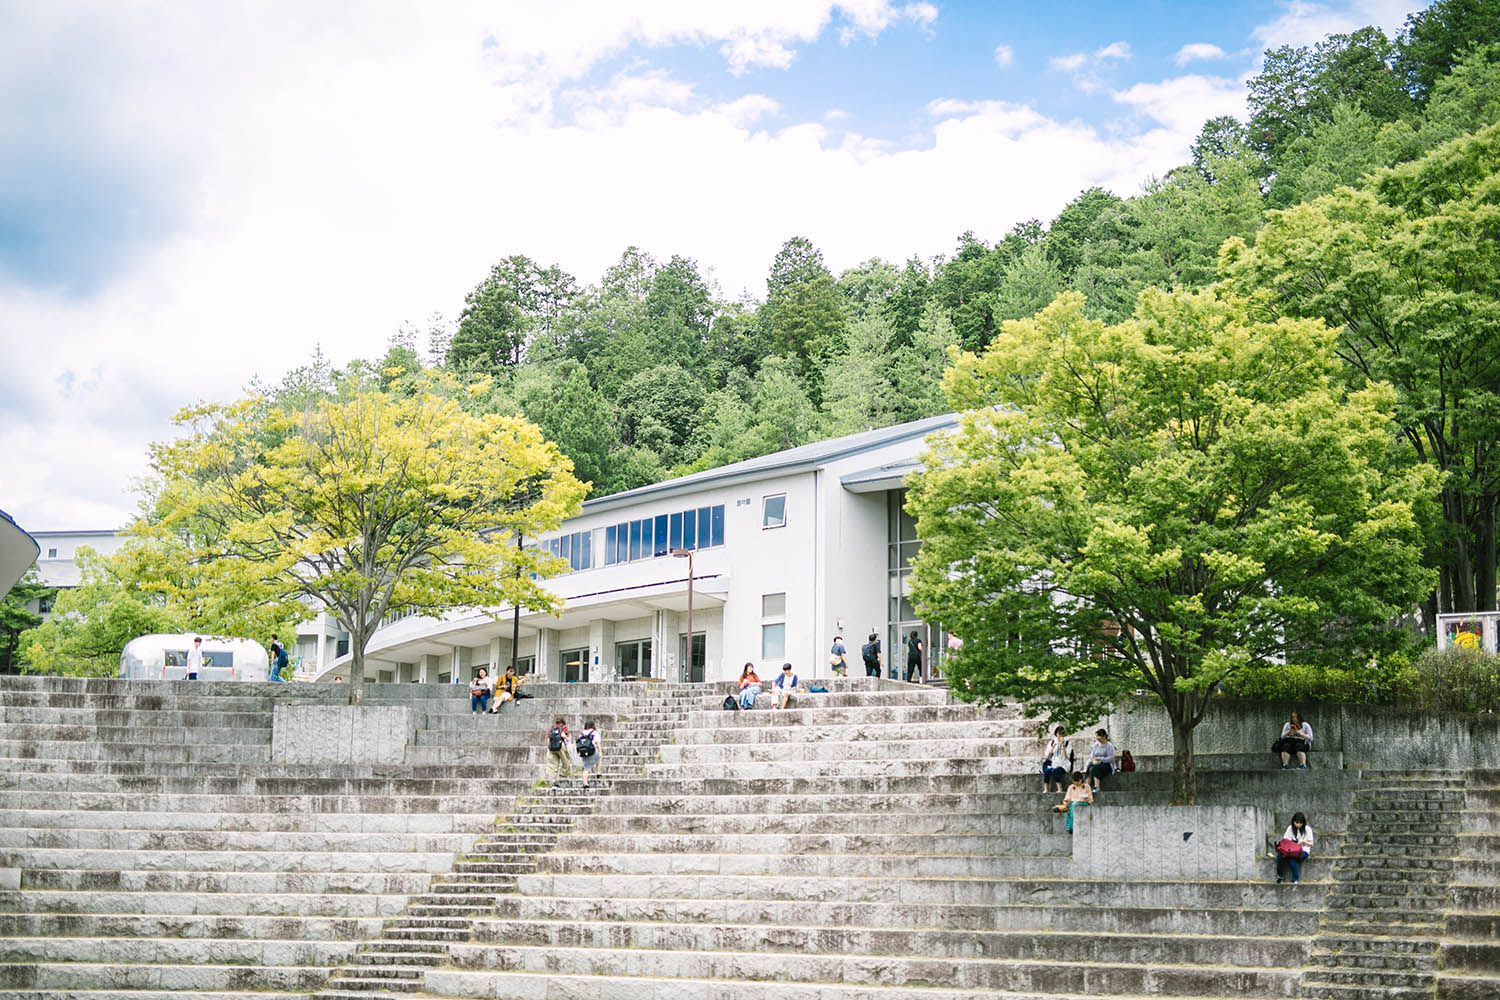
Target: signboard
x,y
1469,630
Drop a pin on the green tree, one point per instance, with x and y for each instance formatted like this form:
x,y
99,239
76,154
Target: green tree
x,y
661,409
92,622
570,412
754,417
679,310
803,317
907,303
369,506
518,300
1342,150
1441,35
964,287
1463,101
1159,504
1031,281
1072,230
1408,269
15,617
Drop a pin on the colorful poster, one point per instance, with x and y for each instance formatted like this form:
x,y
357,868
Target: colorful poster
x,y
1465,633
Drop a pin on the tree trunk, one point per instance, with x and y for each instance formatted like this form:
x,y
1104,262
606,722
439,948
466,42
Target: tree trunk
x,y
1484,556
357,667
1184,773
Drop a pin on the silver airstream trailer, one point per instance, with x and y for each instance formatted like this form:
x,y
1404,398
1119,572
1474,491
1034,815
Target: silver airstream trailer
x,y
164,658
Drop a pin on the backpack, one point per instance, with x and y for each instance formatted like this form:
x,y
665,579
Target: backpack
x,y
585,744
730,704
555,739
1127,762
872,658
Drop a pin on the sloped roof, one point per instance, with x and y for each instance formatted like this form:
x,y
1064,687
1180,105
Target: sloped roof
x,y
805,456
18,551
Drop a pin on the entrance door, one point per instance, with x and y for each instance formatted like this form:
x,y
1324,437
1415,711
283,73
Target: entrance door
x,y
696,665
575,665
634,658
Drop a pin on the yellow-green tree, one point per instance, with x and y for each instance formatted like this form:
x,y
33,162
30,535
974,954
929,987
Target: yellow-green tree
x,y
369,504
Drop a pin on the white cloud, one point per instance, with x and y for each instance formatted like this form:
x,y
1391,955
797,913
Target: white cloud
x,y
1303,22
1068,64
1113,51
1004,56
1198,50
1182,104
344,176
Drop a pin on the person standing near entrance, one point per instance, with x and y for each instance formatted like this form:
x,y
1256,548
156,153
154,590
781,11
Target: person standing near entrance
x,y
913,657
195,658
279,659
870,651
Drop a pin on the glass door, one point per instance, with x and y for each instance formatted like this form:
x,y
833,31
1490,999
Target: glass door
x,y
696,665
575,665
634,658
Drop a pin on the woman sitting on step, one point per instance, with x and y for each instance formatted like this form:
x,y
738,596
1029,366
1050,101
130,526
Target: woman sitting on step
x,y
1296,738
1294,848
1101,759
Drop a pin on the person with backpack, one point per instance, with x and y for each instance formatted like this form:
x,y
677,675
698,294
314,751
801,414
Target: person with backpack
x,y
588,750
838,658
913,657
559,765
870,651
279,660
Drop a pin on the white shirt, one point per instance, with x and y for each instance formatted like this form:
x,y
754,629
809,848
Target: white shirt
x,y
1305,838
1057,752
786,681
1305,732
195,659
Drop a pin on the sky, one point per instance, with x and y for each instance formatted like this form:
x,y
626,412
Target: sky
x,y
195,195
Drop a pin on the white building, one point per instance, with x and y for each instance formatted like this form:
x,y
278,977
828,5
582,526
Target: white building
x,y
788,550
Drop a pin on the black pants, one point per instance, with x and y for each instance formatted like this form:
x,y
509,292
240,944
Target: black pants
x,y
872,670
913,669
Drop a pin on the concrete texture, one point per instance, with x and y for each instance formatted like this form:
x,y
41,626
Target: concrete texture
x,y
1369,737
340,734
1151,843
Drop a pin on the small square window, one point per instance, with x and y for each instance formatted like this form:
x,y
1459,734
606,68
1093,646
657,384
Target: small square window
x,y
773,641
51,553
773,606
773,512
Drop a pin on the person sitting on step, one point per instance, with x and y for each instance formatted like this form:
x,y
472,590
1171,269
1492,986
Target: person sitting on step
x,y
1296,738
785,685
1055,763
1078,793
479,692
749,686
1101,758
1294,848
507,688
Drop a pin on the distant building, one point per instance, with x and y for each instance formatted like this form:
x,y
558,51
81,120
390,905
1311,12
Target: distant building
x,y
788,550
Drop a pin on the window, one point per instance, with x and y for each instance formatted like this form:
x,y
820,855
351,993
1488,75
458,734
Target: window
x,y
525,664
445,678
387,677
634,658
773,606
695,666
51,553
773,641
574,664
773,512
652,537
45,603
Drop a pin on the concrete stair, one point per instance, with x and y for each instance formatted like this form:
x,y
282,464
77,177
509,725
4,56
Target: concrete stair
x,y
1383,920
1468,958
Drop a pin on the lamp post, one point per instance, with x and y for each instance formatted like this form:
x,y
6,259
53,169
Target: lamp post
x,y
687,659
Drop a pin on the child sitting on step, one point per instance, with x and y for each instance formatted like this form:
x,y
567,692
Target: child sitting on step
x,y
1078,792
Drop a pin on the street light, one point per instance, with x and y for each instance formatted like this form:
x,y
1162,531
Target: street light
x,y
687,660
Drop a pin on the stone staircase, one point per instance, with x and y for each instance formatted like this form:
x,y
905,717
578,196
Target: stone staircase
x,y
418,940
1384,916
1469,957
867,845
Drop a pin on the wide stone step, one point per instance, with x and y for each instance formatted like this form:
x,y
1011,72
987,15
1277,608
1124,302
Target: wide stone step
x,y
94,716
911,890
286,823
404,883
830,752
1082,976
816,713
1454,986
505,783
188,925
1373,980
802,939
225,861
1039,818
1038,843
117,994
146,801
157,733
208,840
83,906
1043,915
1011,732
976,866
1472,958
191,978
175,951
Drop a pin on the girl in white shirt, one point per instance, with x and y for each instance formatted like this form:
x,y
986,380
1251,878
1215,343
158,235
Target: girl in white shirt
x,y
1299,831
1055,762
1296,738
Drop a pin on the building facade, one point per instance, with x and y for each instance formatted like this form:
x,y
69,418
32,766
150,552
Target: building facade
x,y
779,554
